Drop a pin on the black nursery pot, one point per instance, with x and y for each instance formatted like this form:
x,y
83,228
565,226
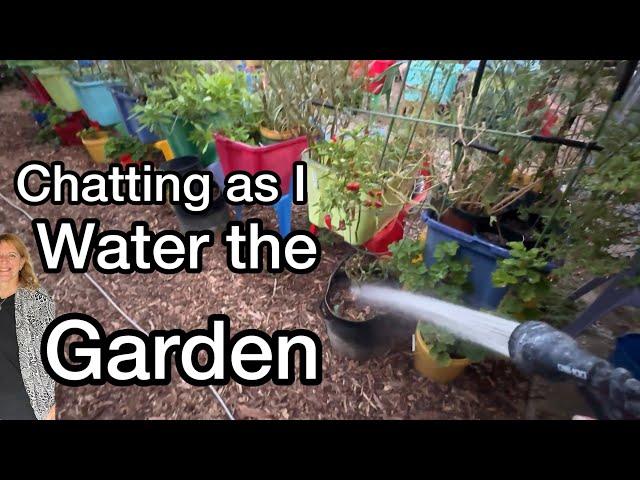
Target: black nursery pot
x,y
367,339
212,218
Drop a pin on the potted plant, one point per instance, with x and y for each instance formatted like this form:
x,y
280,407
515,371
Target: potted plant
x,y
138,76
354,191
356,331
125,149
94,139
438,354
55,77
192,106
505,190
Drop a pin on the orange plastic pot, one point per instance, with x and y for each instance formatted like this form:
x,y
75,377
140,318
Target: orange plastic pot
x,y
429,368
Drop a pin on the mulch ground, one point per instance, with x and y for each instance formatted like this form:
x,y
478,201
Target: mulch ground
x,y
383,388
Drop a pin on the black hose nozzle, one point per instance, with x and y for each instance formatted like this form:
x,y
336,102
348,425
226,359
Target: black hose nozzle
x,y
539,349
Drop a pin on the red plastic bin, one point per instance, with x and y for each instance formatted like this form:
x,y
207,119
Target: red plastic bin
x,y
67,130
376,67
277,158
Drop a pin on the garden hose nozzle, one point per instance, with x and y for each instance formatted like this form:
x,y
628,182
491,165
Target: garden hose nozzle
x,y
538,348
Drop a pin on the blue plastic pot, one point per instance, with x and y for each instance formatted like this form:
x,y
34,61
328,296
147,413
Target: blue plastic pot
x,y
125,103
627,353
97,101
483,256
39,117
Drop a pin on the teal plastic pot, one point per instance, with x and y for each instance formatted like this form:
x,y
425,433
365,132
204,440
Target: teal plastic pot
x,y
178,138
97,101
177,135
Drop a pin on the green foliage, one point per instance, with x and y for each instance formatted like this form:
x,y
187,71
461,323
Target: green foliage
x,y
296,84
90,133
353,157
120,145
363,267
528,284
443,345
206,102
446,278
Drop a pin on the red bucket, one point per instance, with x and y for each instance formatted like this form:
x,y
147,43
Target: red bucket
x,y
67,130
278,157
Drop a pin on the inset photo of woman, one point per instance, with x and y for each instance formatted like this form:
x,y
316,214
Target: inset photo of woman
x,y
27,392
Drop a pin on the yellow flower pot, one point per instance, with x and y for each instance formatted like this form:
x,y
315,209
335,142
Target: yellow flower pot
x,y
429,368
95,147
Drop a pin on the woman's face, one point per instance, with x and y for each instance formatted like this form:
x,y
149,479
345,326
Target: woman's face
x,y
10,263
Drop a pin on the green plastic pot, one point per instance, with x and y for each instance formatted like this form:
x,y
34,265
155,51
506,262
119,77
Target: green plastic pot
x,y
372,220
178,138
58,86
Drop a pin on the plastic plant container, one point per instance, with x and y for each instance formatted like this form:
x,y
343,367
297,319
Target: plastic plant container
x,y
374,337
216,216
372,220
124,104
39,117
393,232
58,86
425,364
627,353
177,134
165,148
376,68
97,101
95,147
482,255
67,131
278,157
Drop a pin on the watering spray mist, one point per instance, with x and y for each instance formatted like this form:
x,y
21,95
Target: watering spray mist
x,y
481,328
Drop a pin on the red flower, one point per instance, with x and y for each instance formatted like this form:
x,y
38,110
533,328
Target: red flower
x,y
378,204
353,186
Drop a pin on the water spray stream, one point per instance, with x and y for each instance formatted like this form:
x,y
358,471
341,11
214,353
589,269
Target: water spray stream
x,y
481,328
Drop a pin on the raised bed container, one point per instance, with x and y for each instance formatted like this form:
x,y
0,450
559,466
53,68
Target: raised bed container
x,y
58,85
278,157
125,103
483,256
97,101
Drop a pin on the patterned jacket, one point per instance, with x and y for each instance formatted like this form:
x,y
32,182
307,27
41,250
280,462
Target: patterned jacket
x,y
34,311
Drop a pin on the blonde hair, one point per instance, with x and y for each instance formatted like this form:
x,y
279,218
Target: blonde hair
x,y
27,276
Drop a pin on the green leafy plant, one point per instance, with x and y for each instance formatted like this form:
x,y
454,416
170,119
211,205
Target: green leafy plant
x,y
446,278
359,178
91,133
121,145
206,102
362,267
523,272
444,346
